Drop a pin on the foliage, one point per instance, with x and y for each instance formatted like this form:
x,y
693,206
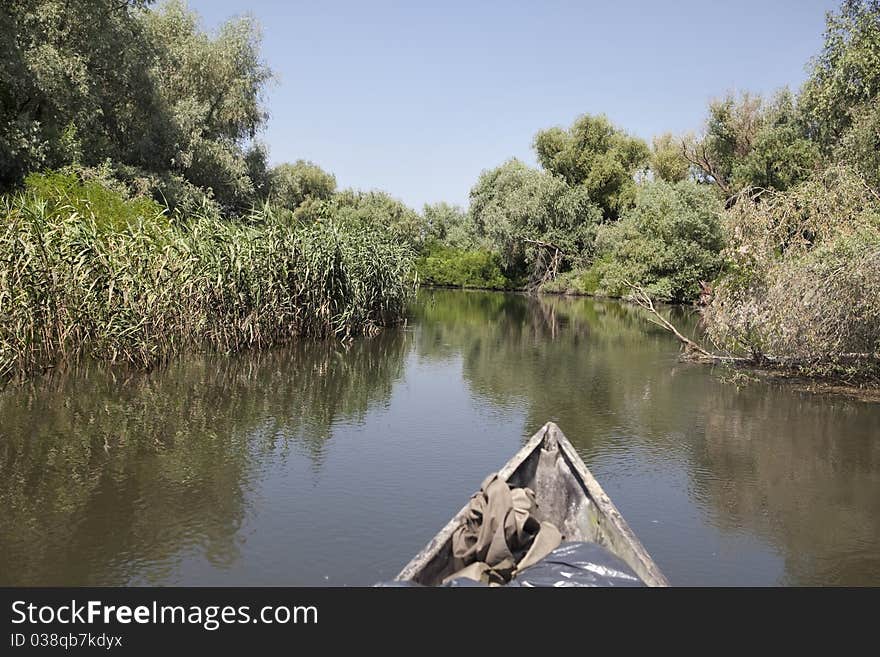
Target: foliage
x,y
378,211
860,145
667,159
86,81
845,76
520,211
76,280
450,225
580,281
105,201
667,243
803,281
65,66
752,142
454,267
780,155
596,155
292,184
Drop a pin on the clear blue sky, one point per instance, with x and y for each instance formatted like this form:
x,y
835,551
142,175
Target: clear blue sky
x,y
417,98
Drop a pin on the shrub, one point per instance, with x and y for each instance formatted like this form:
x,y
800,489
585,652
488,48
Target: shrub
x,y
803,278
667,243
581,281
460,268
103,200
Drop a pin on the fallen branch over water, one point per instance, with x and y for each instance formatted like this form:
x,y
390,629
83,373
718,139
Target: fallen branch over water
x,y
692,349
695,351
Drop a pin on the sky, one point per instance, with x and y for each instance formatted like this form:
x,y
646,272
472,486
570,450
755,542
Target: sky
x,y
417,98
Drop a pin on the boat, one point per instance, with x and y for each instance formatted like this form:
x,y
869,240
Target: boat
x,y
567,495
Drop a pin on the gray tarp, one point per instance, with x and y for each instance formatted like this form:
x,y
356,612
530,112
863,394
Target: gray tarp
x,y
578,564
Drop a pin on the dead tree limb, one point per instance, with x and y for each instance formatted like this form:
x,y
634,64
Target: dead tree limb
x,y
691,348
545,271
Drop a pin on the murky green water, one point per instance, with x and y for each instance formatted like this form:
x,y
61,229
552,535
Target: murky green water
x,y
318,464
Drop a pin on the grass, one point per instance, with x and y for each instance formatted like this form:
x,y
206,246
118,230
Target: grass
x,y
139,287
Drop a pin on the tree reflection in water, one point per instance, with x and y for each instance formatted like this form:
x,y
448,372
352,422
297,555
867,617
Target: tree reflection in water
x,y
292,465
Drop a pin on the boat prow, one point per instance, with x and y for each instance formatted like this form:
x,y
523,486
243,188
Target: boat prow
x,y
567,495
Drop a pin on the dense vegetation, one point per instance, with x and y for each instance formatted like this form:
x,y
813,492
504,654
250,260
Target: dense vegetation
x,y
769,215
164,225
86,272
140,216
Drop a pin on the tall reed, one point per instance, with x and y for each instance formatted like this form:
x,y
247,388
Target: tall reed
x,y
74,284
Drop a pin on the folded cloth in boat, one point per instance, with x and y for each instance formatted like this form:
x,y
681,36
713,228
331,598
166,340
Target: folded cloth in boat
x,y
500,534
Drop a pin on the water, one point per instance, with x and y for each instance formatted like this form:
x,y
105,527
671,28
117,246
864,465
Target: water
x,y
320,464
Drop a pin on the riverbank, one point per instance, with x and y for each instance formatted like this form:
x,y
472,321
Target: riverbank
x,y
741,370
87,272
741,375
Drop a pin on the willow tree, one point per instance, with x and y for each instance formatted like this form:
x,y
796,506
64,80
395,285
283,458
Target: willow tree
x,y
449,225
291,185
76,86
845,76
537,221
749,141
90,81
211,87
667,159
597,156
841,98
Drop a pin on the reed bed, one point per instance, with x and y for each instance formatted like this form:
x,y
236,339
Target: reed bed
x,y
73,284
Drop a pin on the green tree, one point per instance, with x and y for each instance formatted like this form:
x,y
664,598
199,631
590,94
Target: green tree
x,y
76,86
90,81
860,145
597,155
212,87
751,142
535,220
377,210
667,159
668,242
845,76
780,155
449,225
292,184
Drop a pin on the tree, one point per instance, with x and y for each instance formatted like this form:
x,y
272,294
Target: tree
x,y
748,142
450,226
292,184
380,211
212,88
667,243
87,81
667,160
596,155
75,86
845,76
535,220
860,145
780,154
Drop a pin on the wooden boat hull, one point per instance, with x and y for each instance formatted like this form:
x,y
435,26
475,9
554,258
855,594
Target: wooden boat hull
x,y
567,495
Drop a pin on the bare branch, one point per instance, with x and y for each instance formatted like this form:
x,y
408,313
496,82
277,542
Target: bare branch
x,y
691,348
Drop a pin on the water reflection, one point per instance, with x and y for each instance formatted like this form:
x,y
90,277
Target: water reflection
x,y
802,472
780,486
108,477
318,464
